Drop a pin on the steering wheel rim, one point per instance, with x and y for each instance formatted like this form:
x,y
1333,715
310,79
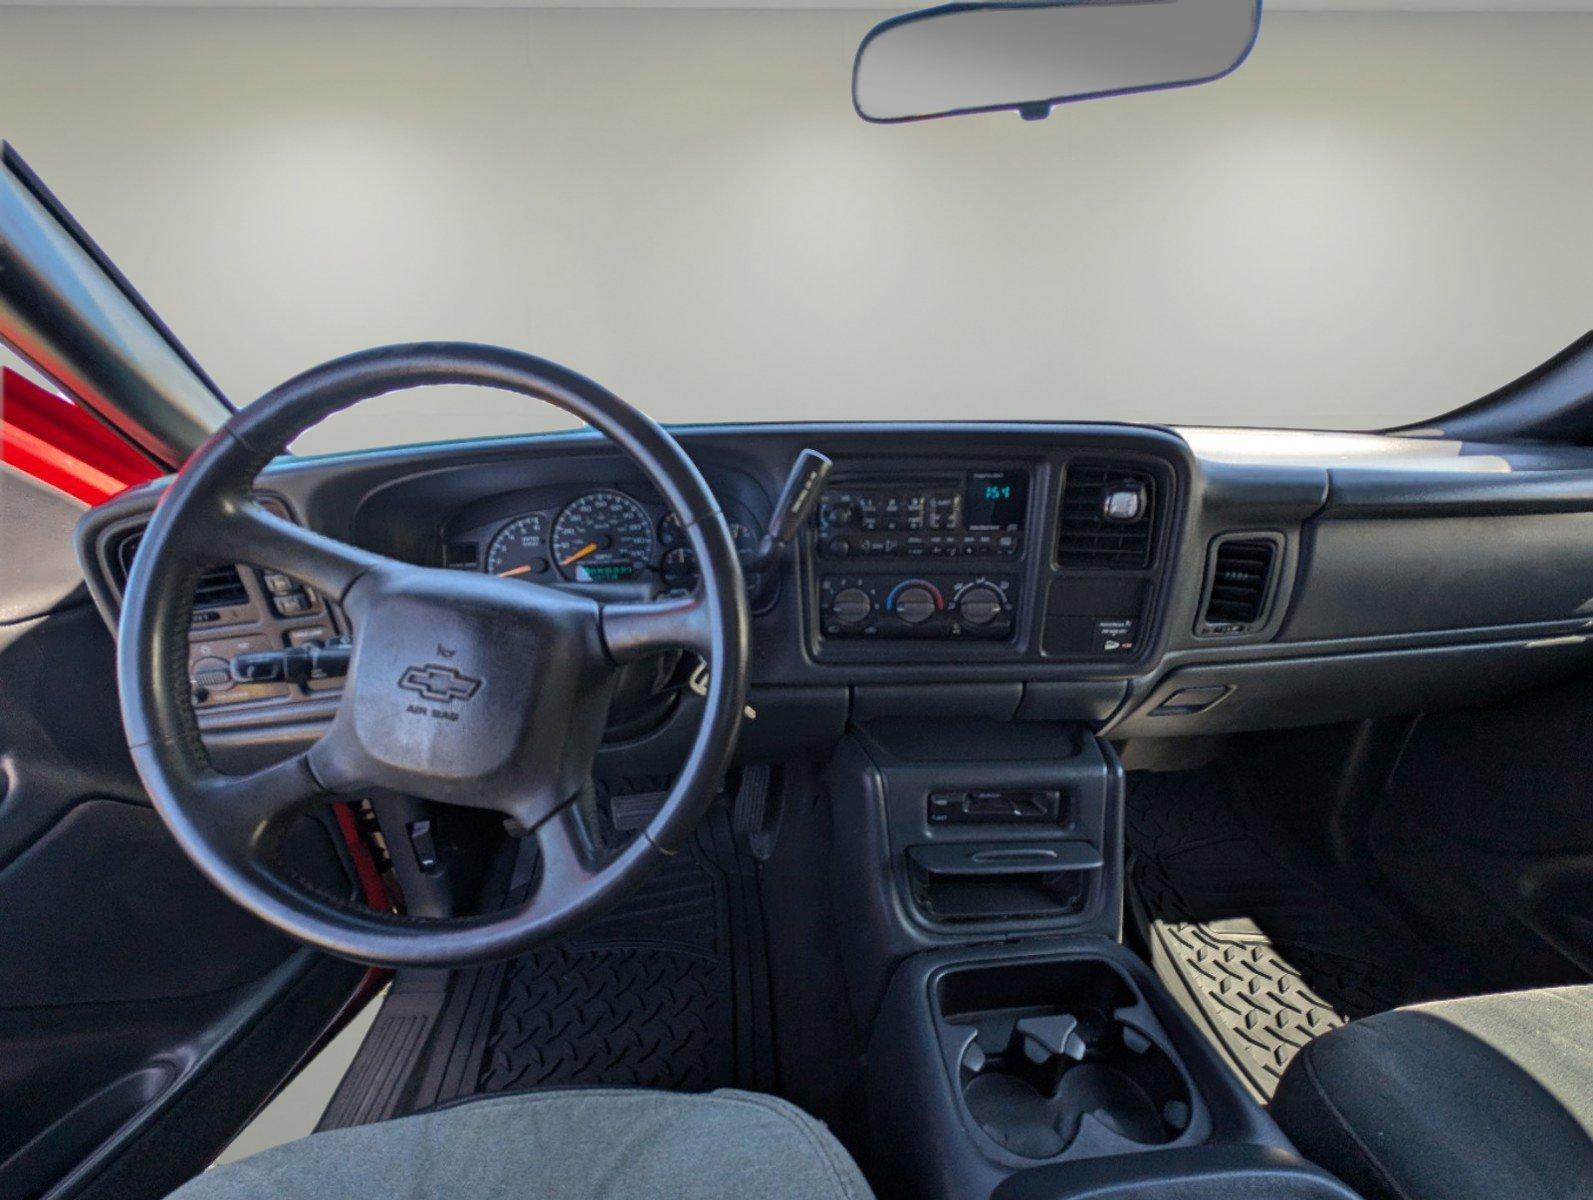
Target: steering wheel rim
x,y
441,745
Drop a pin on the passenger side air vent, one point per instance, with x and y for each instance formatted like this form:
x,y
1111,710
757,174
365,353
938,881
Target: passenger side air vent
x,y
1239,583
1108,517
218,588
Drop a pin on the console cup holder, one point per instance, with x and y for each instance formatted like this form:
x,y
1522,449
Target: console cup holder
x,y
1056,1059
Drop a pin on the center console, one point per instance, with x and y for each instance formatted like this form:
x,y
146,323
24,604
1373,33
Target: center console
x,y
1016,1049
950,831
1060,1069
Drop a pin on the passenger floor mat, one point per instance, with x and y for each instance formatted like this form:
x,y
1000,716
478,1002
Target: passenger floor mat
x,y
1264,956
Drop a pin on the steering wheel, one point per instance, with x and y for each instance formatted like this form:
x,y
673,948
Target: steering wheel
x,y
463,688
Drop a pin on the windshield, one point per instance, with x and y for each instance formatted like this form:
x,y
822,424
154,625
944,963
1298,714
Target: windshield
x,y
1378,218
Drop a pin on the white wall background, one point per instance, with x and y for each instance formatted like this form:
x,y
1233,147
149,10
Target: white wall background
x,y
1379,217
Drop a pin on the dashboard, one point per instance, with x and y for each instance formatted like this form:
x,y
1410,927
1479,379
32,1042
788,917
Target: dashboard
x,y
1145,581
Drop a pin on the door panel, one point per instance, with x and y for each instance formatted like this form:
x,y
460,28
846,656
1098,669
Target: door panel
x,y
128,985
105,909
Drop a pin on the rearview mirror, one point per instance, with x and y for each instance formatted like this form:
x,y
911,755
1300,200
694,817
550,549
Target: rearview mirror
x,y
970,58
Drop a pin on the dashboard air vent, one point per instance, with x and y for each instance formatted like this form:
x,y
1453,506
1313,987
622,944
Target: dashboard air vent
x,y
1108,517
1240,584
218,588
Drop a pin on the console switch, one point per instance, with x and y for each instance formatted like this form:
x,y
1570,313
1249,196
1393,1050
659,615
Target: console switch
x,y
997,806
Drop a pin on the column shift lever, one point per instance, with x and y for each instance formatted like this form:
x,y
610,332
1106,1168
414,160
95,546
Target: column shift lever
x,y
798,498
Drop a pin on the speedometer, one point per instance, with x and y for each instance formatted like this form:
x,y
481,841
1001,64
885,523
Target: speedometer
x,y
602,536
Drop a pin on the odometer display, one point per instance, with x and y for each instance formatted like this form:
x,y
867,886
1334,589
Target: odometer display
x,y
602,536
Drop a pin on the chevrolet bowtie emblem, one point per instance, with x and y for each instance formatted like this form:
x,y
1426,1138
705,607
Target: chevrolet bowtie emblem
x,y
435,682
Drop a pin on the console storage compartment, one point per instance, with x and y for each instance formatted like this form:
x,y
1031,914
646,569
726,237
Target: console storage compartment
x,y
1001,881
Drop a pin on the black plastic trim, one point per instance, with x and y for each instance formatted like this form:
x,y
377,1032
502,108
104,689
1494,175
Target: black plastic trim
x,y
1550,401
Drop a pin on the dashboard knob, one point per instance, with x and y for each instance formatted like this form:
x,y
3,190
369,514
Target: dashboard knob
x,y
839,513
851,605
915,603
838,547
979,605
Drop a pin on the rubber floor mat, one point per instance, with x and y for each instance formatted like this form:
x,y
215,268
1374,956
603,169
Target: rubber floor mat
x,y
1266,957
668,991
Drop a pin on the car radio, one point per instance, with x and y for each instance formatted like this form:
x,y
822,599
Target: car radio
x,y
974,514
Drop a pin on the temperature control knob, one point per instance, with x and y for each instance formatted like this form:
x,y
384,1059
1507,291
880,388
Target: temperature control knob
x,y
915,602
979,605
851,606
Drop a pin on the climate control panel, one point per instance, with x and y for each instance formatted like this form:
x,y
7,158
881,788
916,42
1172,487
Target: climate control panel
x,y
917,606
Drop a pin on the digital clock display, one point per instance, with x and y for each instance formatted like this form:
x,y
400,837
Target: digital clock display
x,y
995,500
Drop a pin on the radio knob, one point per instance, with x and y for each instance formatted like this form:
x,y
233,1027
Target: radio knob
x,y
979,605
836,514
838,547
916,603
851,605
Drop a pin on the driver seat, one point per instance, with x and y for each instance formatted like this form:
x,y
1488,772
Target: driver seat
x,y
565,1144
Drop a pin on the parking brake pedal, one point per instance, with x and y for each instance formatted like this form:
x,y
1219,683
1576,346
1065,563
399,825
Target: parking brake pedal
x,y
756,811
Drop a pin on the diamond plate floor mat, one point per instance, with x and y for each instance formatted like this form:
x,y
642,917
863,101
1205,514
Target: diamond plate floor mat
x,y
667,991
630,1010
1266,957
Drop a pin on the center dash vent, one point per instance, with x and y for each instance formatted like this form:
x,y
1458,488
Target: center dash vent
x,y
1239,583
1087,536
217,588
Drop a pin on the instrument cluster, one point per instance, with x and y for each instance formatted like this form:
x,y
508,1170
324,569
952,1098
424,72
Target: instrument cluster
x,y
602,535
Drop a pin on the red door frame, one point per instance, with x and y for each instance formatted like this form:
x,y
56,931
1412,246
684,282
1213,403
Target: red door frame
x,y
52,440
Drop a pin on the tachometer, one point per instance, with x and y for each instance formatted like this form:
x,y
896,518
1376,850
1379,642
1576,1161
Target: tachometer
x,y
520,548
602,536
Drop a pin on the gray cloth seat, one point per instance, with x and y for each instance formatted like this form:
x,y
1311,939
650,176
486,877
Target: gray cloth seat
x,y
570,1144
1487,1098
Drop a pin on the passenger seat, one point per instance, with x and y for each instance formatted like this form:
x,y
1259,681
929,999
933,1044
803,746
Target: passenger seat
x,y
1486,1098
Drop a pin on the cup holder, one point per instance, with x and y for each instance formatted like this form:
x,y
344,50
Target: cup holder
x,y
1062,1061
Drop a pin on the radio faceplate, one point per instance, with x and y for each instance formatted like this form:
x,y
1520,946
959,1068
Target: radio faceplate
x,y
978,513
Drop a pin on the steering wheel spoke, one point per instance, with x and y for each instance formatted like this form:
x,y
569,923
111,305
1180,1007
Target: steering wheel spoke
x,y
241,807
635,629
255,535
571,858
